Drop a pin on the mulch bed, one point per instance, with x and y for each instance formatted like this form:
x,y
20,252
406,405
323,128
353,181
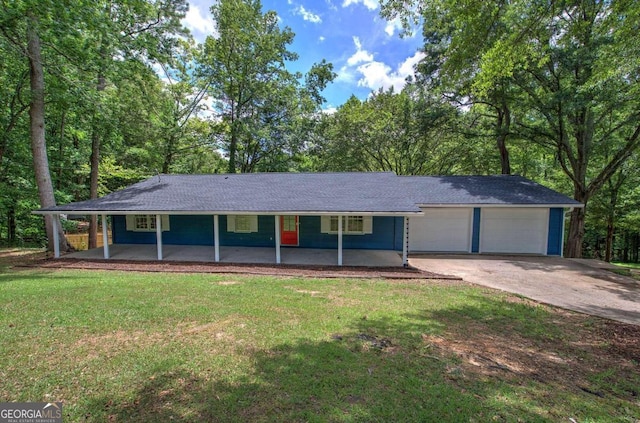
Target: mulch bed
x,y
241,268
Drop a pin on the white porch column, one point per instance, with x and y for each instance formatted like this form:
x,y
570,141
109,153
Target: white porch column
x,y
216,238
277,239
159,235
105,237
405,242
56,236
339,240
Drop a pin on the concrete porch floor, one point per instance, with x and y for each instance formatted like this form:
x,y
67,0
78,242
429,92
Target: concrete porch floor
x,y
289,255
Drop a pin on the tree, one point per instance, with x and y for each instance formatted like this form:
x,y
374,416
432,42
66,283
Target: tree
x,y
28,17
141,29
574,69
75,48
408,133
255,97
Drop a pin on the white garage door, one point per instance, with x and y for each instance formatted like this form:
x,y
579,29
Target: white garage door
x,y
445,230
514,230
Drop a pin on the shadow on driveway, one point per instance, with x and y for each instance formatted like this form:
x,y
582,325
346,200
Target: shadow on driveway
x,y
556,281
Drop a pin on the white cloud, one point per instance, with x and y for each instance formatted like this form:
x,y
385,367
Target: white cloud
x,y
321,38
369,4
329,110
331,6
200,25
377,75
392,26
307,15
360,55
346,75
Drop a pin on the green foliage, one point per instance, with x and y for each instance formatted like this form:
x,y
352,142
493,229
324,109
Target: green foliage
x,y
258,103
563,75
409,133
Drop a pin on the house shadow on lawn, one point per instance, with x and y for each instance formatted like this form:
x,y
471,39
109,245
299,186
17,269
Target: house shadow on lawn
x,y
417,368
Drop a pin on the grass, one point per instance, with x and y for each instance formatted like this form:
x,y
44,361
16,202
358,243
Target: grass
x,y
627,265
159,347
628,269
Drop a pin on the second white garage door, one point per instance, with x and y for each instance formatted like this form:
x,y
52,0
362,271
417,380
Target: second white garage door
x,y
442,230
514,230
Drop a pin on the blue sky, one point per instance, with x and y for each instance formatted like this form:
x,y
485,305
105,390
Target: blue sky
x,y
366,51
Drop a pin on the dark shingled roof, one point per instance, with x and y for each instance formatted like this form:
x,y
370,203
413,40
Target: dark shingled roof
x,y
307,193
258,192
482,190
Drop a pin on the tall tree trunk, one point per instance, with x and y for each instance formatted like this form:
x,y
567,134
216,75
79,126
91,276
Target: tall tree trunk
x,y
575,236
503,127
11,225
168,154
37,132
614,188
233,146
608,253
61,151
95,164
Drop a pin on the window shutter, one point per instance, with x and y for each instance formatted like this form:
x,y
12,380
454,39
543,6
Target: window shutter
x,y
253,224
231,223
164,221
367,225
131,222
325,224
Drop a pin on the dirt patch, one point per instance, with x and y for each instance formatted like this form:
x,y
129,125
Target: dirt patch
x,y
22,256
249,269
622,340
111,344
304,291
572,361
227,283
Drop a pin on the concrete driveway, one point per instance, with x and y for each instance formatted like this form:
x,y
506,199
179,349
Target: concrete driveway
x,y
566,283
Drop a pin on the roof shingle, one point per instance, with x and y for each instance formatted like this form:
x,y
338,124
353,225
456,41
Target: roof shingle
x,y
307,193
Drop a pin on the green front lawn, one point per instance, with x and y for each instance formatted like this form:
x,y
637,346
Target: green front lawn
x,y
627,265
159,347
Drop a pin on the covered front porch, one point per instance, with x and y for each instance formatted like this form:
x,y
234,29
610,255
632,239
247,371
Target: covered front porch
x,y
260,255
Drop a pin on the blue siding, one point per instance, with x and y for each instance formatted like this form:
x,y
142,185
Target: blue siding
x,y
265,237
198,230
398,233
475,237
189,230
554,243
383,236
184,230
122,236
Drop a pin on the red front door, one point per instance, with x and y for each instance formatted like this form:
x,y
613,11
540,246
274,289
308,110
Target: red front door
x,y
289,230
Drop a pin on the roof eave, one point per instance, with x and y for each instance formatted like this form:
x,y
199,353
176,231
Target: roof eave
x,y
229,212
467,205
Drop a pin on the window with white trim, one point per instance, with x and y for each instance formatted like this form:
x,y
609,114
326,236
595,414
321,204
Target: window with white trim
x,y
351,225
242,223
145,222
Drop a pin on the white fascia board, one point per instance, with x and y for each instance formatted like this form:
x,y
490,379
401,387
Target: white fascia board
x,y
231,212
484,205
